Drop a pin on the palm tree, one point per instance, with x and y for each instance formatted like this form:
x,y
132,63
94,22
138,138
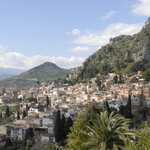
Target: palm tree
x,y
109,131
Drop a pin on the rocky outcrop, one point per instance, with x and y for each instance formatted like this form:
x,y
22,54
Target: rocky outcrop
x,y
146,51
118,38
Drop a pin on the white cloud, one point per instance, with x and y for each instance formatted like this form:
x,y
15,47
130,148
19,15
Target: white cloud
x,y
74,32
141,8
109,15
102,38
80,49
20,61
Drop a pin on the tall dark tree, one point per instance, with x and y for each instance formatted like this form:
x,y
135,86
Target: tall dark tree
x,y
1,115
29,137
128,109
18,115
27,108
115,79
24,114
67,76
47,101
63,122
98,82
69,123
121,110
58,128
8,144
7,112
106,106
29,134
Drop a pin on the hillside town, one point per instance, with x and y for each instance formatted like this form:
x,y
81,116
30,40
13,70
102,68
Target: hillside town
x,y
70,100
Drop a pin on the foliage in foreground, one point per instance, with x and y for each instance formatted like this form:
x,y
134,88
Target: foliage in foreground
x,y
103,131
142,142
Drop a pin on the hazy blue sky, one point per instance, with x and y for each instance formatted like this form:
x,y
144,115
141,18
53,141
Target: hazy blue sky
x,y
64,32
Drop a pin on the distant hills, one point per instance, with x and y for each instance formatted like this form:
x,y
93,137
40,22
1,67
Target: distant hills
x,y
12,71
44,72
9,72
47,71
123,54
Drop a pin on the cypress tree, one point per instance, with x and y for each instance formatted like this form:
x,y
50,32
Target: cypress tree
x,y
24,114
18,115
58,128
98,81
69,123
63,121
115,79
0,115
106,106
47,101
8,144
121,110
27,108
128,109
7,113
29,137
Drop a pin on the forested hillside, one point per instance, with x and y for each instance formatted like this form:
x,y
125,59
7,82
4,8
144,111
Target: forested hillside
x,y
123,54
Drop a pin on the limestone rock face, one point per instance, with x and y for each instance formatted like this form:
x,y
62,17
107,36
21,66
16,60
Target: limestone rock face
x,y
123,54
146,51
118,38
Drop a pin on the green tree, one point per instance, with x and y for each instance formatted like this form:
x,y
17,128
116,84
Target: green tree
x,y
146,75
58,128
109,132
29,138
106,106
98,82
77,139
63,122
1,115
8,144
24,114
68,125
115,79
7,112
18,115
27,108
143,140
142,111
121,110
47,101
128,108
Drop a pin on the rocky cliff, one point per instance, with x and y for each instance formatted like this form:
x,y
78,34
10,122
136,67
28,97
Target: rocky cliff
x,y
123,54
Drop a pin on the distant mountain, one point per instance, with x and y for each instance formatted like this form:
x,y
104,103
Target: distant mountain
x,y
42,73
5,76
123,54
11,71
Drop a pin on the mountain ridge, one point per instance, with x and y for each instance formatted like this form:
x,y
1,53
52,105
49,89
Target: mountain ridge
x,y
123,54
47,71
